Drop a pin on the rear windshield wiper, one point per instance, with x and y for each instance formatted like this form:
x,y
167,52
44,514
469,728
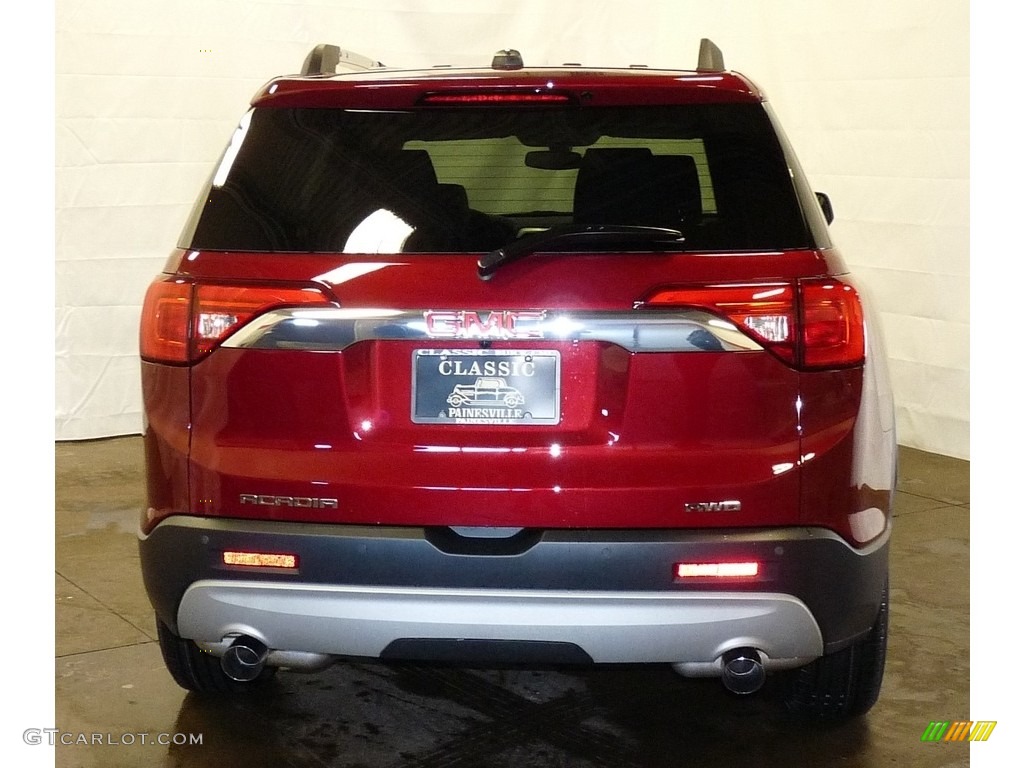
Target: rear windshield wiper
x,y
585,237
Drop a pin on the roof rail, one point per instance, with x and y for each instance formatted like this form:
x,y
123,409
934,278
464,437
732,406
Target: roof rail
x,y
325,59
710,58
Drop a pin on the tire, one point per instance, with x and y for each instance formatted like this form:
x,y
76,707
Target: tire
x,y
196,670
846,683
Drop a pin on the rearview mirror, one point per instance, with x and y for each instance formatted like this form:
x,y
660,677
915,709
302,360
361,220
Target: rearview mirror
x,y
554,159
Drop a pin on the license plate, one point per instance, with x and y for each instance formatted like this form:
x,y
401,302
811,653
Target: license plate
x,y
485,386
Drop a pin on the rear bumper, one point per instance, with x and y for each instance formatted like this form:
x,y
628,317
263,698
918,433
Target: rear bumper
x,y
607,596
694,629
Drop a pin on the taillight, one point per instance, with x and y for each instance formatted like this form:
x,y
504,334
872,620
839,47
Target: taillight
x,y
163,332
833,324
182,321
814,323
220,310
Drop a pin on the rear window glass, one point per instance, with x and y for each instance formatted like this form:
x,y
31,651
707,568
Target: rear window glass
x,y
498,177
472,180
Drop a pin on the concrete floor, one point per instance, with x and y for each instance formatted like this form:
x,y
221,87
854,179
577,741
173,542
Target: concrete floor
x,y
110,679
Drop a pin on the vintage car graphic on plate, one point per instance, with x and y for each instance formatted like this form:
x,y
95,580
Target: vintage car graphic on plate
x,y
485,391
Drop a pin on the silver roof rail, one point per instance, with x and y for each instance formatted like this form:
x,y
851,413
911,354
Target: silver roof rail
x,y
710,58
325,59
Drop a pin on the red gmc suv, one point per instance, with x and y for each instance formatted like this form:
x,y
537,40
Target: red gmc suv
x,y
516,365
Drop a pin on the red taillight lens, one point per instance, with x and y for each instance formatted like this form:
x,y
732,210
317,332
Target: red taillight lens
x,y
833,324
220,310
818,323
182,322
163,332
766,312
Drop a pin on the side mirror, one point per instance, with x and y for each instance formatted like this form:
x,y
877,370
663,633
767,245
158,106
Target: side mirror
x,y
826,206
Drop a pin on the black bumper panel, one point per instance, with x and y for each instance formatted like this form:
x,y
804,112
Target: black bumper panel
x,y
841,586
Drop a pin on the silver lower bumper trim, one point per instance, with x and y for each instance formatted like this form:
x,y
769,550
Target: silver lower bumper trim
x,y
692,629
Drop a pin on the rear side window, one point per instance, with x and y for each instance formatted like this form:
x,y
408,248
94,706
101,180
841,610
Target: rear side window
x,y
472,180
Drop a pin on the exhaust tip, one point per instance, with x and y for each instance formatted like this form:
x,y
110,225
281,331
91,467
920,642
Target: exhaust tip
x,y
742,670
244,659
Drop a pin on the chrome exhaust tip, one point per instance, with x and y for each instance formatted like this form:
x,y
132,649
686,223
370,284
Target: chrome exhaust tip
x,y
742,670
244,659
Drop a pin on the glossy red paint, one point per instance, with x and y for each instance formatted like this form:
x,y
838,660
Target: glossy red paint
x,y
165,397
641,435
599,88
830,494
615,460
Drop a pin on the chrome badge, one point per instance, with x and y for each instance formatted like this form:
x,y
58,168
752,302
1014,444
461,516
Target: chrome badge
x,y
299,502
713,506
505,324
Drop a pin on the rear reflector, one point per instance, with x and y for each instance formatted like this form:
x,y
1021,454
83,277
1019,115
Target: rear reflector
x,y
715,570
261,560
182,321
814,323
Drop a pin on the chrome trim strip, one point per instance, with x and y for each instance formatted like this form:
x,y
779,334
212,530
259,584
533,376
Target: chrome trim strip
x,y
335,329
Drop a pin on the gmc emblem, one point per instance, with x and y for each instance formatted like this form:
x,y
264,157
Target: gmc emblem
x,y
458,324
